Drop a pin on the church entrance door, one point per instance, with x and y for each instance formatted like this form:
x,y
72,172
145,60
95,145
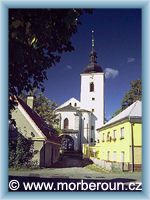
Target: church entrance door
x,y
67,143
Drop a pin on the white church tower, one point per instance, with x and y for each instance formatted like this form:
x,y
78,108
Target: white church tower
x,y
92,93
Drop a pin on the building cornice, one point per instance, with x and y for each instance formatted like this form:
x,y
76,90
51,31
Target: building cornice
x,y
121,121
96,73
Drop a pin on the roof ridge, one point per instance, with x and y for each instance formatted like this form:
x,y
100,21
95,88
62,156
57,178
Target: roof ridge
x,y
46,129
124,114
132,108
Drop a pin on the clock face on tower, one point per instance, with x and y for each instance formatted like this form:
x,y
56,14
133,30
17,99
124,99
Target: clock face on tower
x,y
92,76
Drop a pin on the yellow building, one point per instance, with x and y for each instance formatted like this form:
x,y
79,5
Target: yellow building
x,y
121,139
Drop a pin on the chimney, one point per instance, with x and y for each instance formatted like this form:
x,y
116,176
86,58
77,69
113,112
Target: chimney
x,y
30,100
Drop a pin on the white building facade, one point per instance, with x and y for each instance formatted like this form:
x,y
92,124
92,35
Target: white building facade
x,y
80,119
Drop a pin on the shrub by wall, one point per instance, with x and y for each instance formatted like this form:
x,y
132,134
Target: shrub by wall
x,y
20,150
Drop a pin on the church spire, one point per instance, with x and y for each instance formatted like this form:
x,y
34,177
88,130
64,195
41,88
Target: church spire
x,y
93,67
93,40
93,55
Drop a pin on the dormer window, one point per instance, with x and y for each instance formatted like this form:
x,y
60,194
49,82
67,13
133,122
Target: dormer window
x,y
92,87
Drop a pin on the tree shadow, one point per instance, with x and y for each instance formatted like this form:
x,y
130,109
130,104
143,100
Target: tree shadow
x,y
68,161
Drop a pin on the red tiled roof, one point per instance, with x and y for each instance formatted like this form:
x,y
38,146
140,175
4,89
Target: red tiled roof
x,y
47,130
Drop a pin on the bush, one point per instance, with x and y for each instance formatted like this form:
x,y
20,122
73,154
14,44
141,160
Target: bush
x,y
20,151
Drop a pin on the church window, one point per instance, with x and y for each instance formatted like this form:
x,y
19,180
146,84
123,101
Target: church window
x,y
75,104
70,104
92,128
92,110
92,87
66,123
93,99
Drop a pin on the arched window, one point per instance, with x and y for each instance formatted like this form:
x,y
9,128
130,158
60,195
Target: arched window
x,y
75,104
66,123
92,87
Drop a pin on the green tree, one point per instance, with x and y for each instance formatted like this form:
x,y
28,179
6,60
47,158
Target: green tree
x,y
45,108
20,149
134,94
37,38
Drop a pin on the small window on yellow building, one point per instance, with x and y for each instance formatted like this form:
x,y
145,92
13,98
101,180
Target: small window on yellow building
x,y
114,135
103,139
108,155
122,133
108,136
114,156
122,156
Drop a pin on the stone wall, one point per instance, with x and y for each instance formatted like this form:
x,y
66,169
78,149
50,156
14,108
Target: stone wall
x,y
111,166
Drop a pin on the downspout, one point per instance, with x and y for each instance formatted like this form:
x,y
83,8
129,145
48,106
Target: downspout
x,y
90,130
132,144
60,121
44,151
87,133
80,131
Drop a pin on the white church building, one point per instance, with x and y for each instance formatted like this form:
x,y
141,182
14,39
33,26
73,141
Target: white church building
x,y
79,120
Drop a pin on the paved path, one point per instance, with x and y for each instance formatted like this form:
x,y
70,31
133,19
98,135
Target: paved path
x,y
72,167
69,166
71,160
70,173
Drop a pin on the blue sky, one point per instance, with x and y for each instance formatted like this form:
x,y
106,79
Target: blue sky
x,y
118,46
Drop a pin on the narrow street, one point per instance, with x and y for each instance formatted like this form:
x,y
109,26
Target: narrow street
x,y
71,165
69,160
71,168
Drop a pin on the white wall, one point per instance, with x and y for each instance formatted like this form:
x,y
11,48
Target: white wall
x,y
86,127
74,123
73,120
98,93
75,138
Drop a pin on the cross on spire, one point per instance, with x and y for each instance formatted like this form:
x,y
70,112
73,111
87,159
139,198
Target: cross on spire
x,y
93,66
93,52
93,40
